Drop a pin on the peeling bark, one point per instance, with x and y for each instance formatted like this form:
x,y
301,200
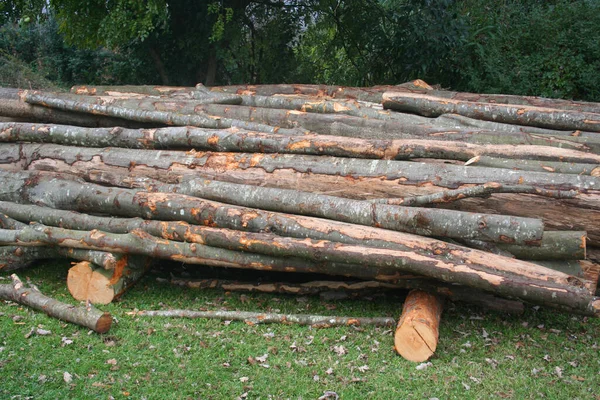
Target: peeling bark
x,y
544,117
254,318
235,140
88,317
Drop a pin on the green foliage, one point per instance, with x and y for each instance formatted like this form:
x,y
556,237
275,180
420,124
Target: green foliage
x,y
36,54
546,48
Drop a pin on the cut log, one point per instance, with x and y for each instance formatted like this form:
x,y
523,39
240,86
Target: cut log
x,y
545,117
454,292
152,117
254,318
173,206
541,166
88,317
543,286
354,178
417,333
17,257
127,89
88,282
485,190
555,245
519,100
22,111
235,140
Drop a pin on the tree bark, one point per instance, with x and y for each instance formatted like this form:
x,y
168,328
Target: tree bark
x,y
253,200
555,245
452,292
540,166
361,179
254,318
27,112
88,317
234,140
544,117
519,100
80,105
531,283
88,282
417,333
144,90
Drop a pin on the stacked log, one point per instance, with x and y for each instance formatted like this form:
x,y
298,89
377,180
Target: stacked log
x,y
492,200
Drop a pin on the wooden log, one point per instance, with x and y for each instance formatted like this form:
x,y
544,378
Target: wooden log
x,y
417,333
519,100
253,200
17,257
454,292
254,318
371,94
89,282
533,283
153,117
555,245
485,190
145,90
404,126
535,165
511,156
360,179
88,316
22,111
432,106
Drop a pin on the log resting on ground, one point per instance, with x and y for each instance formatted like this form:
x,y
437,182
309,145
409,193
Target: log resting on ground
x,y
254,318
88,317
417,333
530,282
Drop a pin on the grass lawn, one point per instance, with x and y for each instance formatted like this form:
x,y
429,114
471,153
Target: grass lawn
x,y
541,354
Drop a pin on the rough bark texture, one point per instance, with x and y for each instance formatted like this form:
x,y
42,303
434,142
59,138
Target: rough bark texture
x,y
353,178
152,117
532,283
417,333
555,245
254,318
234,140
544,117
88,317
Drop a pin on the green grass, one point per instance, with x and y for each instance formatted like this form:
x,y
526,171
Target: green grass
x,y
542,354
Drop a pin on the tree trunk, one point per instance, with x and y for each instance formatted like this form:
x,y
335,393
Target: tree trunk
x,y
80,105
529,283
544,117
340,176
88,317
417,333
234,140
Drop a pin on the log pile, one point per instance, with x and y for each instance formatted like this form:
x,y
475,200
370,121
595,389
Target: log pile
x,y
487,199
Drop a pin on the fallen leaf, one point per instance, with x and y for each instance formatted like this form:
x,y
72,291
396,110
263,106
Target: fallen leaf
x,y
262,358
363,368
43,332
467,387
244,379
423,366
329,395
65,341
558,371
67,377
112,361
329,371
340,350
